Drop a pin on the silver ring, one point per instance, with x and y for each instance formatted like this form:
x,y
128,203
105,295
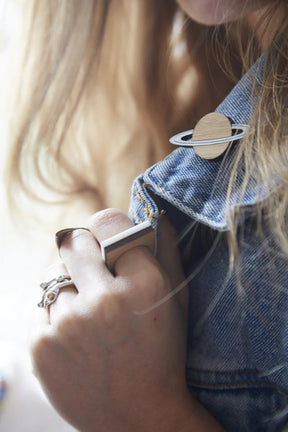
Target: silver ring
x,y
51,289
185,139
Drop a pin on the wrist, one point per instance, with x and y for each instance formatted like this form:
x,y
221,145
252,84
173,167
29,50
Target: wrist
x,y
181,413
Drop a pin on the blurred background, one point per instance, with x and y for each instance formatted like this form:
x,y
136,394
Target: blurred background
x,y
23,407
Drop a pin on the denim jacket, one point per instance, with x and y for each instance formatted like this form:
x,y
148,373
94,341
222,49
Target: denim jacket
x,y
237,350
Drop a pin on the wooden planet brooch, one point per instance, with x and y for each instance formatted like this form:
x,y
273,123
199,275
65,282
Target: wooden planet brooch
x,y
211,135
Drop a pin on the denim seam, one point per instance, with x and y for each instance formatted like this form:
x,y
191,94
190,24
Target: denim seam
x,y
229,386
221,226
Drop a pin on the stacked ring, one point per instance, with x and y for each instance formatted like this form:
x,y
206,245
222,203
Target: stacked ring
x,y
51,289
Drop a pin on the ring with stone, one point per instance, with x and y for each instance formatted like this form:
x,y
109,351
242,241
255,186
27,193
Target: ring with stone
x,y
50,289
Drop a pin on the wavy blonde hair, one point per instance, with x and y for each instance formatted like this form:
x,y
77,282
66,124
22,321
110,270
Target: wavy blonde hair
x,y
263,153
105,83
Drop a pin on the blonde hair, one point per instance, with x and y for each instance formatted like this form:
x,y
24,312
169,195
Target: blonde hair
x,y
105,83
263,153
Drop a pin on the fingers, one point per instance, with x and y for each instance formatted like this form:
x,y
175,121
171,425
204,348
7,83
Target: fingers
x,y
81,254
39,320
56,269
82,261
66,294
109,222
137,272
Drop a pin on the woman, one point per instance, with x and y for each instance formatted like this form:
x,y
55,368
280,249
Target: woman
x,y
111,351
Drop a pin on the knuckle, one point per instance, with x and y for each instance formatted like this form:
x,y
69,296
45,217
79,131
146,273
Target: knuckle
x,y
109,310
152,283
41,344
156,280
105,216
108,222
69,323
112,322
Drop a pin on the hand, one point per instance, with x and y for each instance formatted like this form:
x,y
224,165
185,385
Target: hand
x,y
104,366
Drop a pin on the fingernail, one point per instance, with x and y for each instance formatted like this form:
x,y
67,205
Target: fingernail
x,y
60,235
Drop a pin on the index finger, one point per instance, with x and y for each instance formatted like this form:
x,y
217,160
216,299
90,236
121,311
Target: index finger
x,y
80,252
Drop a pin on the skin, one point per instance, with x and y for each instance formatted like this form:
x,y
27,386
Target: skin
x,y
104,367
213,12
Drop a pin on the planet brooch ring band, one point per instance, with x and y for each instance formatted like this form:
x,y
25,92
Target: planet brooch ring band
x,y
52,288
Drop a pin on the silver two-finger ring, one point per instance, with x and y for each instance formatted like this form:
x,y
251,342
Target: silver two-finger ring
x,y
51,289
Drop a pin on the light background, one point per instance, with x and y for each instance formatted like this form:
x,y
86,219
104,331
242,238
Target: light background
x,y
22,260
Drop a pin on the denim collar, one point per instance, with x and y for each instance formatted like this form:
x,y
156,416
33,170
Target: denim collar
x,y
196,186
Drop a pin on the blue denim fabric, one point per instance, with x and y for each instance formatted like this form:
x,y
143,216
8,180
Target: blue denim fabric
x,y
237,351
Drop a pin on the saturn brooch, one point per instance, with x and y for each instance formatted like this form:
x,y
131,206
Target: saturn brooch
x,y
211,135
